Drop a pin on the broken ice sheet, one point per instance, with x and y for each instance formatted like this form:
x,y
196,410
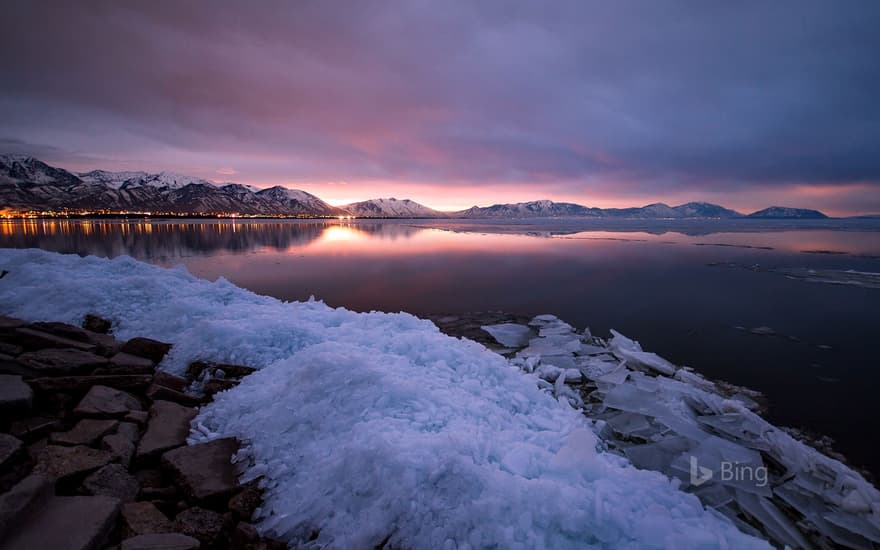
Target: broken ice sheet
x,y
510,335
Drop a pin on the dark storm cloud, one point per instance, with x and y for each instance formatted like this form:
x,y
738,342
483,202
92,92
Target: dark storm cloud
x,y
684,95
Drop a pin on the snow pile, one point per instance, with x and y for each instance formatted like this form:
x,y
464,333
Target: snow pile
x,y
377,427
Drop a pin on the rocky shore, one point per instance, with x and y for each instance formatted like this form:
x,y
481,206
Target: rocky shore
x,y
93,446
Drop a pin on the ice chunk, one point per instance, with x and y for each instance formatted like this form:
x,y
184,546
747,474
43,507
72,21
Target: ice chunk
x,y
510,335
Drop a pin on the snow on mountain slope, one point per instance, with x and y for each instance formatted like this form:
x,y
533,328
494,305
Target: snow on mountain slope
x,y
298,202
391,208
22,168
372,428
533,209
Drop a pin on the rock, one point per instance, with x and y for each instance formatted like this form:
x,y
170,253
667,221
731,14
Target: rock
x,y
10,349
66,463
161,541
126,363
150,477
217,385
230,371
69,523
32,339
167,429
159,493
120,446
161,393
112,480
141,518
205,471
61,361
145,347
163,378
86,432
102,401
96,324
204,525
138,417
62,330
29,493
244,533
75,384
16,397
12,461
10,323
32,427
9,365
245,503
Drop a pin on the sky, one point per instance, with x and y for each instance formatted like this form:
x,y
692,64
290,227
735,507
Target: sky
x,y
458,103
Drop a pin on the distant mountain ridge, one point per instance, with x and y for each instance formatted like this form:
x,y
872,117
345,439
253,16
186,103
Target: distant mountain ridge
x,y
28,184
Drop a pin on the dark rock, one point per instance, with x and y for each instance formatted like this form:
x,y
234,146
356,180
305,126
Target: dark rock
x,y
75,384
33,427
10,323
245,503
141,518
66,463
9,365
12,461
205,525
32,339
159,493
145,347
10,349
104,402
217,385
112,480
205,471
150,477
36,448
97,324
244,533
126,363
16,397
138,417
161,541
69,523
120,446
86,432
161,393
230,371
60,361
129,430
163,378
20,500
62,330
167,429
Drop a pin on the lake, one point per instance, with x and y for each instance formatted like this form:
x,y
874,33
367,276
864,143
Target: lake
x,y
787,308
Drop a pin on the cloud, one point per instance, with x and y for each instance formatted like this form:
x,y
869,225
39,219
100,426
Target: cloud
x,y
575,99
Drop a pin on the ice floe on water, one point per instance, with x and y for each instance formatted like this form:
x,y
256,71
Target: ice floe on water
x,y
708,436
374,428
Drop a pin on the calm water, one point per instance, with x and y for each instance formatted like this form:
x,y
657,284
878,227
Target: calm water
x,y
688,291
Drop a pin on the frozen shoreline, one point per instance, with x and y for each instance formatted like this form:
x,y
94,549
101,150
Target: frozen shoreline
x,y
406,402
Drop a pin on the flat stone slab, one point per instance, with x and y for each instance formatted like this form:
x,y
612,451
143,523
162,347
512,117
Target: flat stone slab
x,y
86,432
62,463
113,480
167,429
16,397
162,393
146,347
37,339
68,523
80,383
163,541
205,470
142,518
126,363
32,427
61,361
204,525
26,495
102,401
9,448
177,383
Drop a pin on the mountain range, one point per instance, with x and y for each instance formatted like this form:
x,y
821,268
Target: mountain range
x,y
28,184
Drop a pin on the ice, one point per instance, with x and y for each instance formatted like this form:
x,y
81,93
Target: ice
x,y
510,335
372,427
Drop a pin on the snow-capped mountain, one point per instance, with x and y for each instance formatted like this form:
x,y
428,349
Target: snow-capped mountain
x,y
782,212
533,209
27,183
391,208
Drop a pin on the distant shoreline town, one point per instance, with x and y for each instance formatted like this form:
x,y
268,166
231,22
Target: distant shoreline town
x,y
30,188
